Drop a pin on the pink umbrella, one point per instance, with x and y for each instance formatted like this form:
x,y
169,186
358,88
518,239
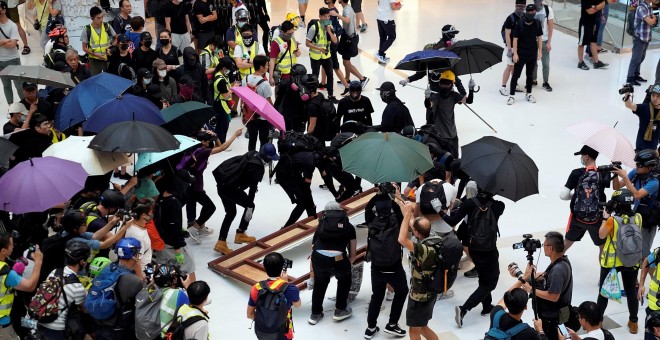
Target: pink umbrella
x,y
604,139
260,105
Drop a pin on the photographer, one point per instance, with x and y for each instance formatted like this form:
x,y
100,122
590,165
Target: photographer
x,y
648,114
169,279
644,186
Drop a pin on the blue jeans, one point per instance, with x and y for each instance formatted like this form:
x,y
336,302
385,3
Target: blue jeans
x,y
6,83
601,29
638,56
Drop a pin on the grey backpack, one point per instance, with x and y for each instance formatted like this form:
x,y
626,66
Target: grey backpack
x,y
628,245
147,313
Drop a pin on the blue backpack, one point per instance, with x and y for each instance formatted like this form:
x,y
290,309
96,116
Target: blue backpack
x,y
101,301
496,333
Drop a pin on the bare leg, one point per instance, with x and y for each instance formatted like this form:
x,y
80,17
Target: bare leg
x,y
351,69
429,334
21,33
506,74
341,77
580,52
568,244
359,19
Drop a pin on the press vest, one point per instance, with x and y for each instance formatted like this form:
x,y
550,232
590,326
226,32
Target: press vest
x,y
168,307
248,53
653,287
285,62
322,41
608,258
218,76
213,56
98,44
186,312
6,293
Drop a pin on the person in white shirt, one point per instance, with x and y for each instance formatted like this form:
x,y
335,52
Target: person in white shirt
x,y
386,27
438,225
548,22
591,319
8,52
143,213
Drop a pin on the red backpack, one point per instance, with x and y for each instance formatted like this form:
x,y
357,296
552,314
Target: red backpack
x,y
248,113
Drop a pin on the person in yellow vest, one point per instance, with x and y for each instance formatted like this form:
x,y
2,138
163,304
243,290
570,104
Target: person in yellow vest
x,y
319,37
245,52
96,38
620,206
233,35
283,53
12,281
222,97
650,266
194,317
210,56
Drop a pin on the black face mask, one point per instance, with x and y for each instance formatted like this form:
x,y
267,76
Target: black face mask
x,y
123,47
248,41
164,42
529,18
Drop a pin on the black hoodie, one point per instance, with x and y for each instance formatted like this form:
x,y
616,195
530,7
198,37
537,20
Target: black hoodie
x,y
193,68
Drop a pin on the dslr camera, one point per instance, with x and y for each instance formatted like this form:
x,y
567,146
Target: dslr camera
x,y
123,214
608,206
529,244
616,165
387,188
287,264
627,88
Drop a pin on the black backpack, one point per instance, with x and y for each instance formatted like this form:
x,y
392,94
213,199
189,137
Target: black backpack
x,y
449,250
515,19
229,172
608,335
431,191
383,248
294,141
177,329
630,23
272,310
482,225
586,206
328,123
331,227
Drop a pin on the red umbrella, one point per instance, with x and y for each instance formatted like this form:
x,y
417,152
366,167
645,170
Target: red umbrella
x,y
260,105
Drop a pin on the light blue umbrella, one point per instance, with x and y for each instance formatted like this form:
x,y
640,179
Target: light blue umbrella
x,y
149,158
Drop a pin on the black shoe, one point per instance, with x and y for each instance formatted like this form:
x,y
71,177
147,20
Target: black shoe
x,y
487,310
600,64
370,334
535,83
640,79
634,83
460,314
345,93
394,330
333,100
547,87
472,273
582,65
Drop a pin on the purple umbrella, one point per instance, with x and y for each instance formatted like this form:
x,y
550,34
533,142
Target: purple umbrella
x,y
38,184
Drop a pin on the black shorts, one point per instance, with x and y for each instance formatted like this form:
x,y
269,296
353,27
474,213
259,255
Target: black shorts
x,y
333,56
419,313
357,6
348,47
577,229
587,34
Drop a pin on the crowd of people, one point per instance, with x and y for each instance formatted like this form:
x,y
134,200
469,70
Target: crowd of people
x,y
119,262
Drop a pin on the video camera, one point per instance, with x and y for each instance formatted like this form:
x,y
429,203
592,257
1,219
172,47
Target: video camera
x,y
616,165
627,88
287,264
529,244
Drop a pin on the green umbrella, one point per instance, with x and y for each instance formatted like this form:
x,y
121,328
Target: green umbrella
x,y
385,157
186,118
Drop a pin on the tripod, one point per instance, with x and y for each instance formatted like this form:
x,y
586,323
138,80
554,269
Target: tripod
x,y
530,260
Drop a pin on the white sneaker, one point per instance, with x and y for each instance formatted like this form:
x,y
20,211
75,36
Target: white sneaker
x,y
447,295
206,231
381,59
387,59
194,234
503,91
510,101
389,296
530,98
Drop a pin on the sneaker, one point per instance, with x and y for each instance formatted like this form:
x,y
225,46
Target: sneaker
x,y
634,83
510,101
323,86
640,79
345,93
530,98
519,88
314,318
471,273
389,296
302,23
600,64
387,59
535,83
446,295
487,310
583,66
364,82
205,231
381,59
460,314
342,314
503,91
395,330
547,87
333,100
368,334
194,234
603,50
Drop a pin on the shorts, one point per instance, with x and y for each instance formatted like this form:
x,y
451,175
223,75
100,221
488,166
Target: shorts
x,y
509,60
333,56
419,313
587,34
303,1
577,229
357,6
348,47
12,14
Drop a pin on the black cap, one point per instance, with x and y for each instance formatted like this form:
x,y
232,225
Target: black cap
x,y
386,86
146,36
122,38
144,73
3,5
204,136
521,2
586,150
27,85
530,7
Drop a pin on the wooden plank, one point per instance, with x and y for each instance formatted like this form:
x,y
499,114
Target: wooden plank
x,y
361,201
242,256
251,272
288,235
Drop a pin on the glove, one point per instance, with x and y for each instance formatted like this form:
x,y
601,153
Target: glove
x,y
404,82
310,283
427,93
436,204
471,84
179,258
248,214
509,53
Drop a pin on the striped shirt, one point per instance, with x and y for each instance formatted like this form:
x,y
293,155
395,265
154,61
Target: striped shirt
x,y
75,294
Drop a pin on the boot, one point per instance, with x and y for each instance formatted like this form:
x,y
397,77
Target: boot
x,y
221,247
243,238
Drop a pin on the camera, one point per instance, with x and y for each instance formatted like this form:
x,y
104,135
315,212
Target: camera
x,y
387,188
627,88
123,214
287,264
516,270
608,206
36,26
149,269
529,244
616,165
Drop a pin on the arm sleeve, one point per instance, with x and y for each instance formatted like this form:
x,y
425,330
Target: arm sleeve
x,y
651,187
417,76
459,214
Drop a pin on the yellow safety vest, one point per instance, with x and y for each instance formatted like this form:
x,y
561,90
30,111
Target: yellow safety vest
x,y
321,41
284,63
53,132
652,296
214,57
238,39
6,293
608,258
186,312
42,13
248,53
98,44
218,76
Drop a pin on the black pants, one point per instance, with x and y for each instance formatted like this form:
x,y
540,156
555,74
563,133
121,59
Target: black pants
x,y
327,67
324,268
231,197
387,34
488,269
208,208
260,128
221,121
629,278
550,327
379,281
288,102
304,202
265,33
529,62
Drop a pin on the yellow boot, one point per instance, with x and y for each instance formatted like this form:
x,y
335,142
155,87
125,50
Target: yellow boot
x,y
221,247
243,238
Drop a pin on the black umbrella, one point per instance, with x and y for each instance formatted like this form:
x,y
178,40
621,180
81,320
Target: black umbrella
x,y
134,137
476,56
501,168
186,118
7,149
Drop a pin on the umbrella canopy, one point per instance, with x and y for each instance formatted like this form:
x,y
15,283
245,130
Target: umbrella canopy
x,y
604,139
385,157
134,137
123,108
186,118
95,163
7,149
476,56
260,105
38,184
146,159
87,96
428,60
500,167
37,75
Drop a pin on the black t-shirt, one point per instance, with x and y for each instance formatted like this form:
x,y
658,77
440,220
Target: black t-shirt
x,y
43,107
169,220
468,207
9,128
644,114
170,58
359,110
528,37
507,322
395,117
510,23
205,8
586,18
304,162
144,59
178,14
574,177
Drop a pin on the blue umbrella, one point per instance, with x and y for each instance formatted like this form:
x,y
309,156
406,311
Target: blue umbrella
x,y
87,96
123,108
149,158
428,60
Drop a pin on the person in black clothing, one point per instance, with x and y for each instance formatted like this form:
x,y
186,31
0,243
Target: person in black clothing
x,y
122,21
355,107
318,124
396,115
527,44
206,17
144,78
193,68
116,57
30,98
289,97
144,55
300,166
33,141
78,70
510,310
168,53
485,260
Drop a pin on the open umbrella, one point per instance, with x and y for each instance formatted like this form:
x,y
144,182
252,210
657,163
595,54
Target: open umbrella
x,y
37,75
134,137
476,56
40,183
186,118
149,158
7,149
385,157
123,108
95,163
500,167
428,60
260,105
87,96
604,139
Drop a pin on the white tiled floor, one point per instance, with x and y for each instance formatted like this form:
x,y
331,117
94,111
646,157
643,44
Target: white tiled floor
x,y
537,128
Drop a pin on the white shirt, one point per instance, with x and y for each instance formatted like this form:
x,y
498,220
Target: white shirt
x,y
385,12
596,334
75,294
540,15
440,225
238,50
142,235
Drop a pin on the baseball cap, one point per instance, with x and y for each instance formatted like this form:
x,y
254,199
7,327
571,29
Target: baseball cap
x,y
122,38
269,150
655,88
146,36
144,73
27,86
18,107
586,150
386,86
530,7
158,63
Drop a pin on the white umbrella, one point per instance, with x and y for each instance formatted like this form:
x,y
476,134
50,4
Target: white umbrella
x,y
94,162
604,139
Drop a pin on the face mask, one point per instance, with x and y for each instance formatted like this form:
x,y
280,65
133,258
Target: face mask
x,y
241,23
384,95
164,42
529,17
286,37
123,47
539,5
248,41
520,12
162,73
582,161
146,81
146,43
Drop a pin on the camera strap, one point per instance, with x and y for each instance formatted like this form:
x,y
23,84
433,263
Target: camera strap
x,y
3,33
648,134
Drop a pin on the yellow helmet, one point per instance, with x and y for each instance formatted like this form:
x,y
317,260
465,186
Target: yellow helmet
x,y
294,18
449,75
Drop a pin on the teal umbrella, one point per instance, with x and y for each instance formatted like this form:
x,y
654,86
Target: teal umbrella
x,y
385,157
149,158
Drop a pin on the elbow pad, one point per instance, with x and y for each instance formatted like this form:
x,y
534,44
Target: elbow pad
x,y
565,194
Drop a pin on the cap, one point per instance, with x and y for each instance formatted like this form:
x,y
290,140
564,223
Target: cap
x,y
386,86
530,7
333,205
3,5
146,36
158,63
144,73
27,86
655,88
449,29
18,107
586,150
122,38
270,151
521,2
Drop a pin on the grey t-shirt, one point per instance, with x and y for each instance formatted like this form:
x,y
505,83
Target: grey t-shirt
x,y
559,280
10,32
349,29
263,89
85,39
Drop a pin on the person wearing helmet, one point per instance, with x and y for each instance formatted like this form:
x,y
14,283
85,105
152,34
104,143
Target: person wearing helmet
x,y
283,53
395,115
527,45
177,22
245,52
97,265
652,326
355,107
440,109
643,184
98,215
234,37
58,42
222,97
320,37
649,115
173,288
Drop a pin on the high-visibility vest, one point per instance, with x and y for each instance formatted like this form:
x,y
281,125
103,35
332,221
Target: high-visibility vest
x,y
322,41
608,258
652,296
218,76
186,312
6,293
98,43
284,62
238,39
248,53
213,56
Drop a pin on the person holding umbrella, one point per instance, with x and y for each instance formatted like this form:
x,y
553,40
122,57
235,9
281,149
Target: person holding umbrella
x,y
527,44
395,115
32,142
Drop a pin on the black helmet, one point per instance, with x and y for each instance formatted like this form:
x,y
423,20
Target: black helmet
x,y
311,82
112,199
72,219
623,197
298,70
647,157
165,275
408,131
76,251
652,321
449,32
355,86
